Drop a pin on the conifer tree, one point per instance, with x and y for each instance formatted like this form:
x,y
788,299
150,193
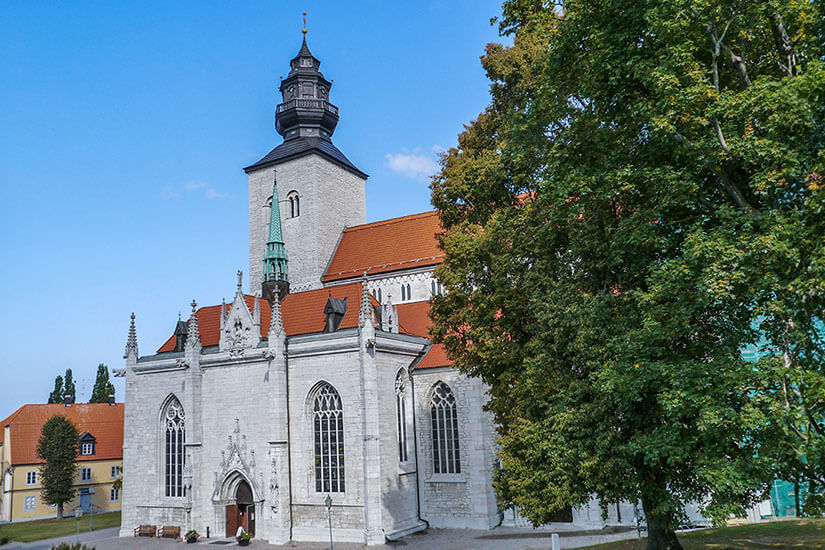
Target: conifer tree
x,y
103,388
69,387
57,393
57,446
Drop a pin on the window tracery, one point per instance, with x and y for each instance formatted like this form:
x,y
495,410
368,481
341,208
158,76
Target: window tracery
x,y
444,418
328,428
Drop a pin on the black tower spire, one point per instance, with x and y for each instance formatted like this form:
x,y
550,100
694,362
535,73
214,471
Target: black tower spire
x,y
306,111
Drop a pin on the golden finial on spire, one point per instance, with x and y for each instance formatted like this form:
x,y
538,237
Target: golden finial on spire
x,y
304,30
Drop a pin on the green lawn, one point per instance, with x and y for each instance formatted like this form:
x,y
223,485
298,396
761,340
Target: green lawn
x,y
28,531
778,535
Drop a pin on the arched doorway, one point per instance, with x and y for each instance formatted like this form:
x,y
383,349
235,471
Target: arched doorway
x,y
242,512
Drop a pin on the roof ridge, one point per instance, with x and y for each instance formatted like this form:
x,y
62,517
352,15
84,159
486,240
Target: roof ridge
x,y
390,221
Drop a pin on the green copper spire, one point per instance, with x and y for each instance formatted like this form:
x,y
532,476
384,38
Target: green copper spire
x,y
276,277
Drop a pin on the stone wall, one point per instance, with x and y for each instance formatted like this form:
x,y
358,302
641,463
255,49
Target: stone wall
x,y
331,199
464,500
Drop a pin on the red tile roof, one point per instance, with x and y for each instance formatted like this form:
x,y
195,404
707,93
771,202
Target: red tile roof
x,y
302,312
103,421
388,245
414,319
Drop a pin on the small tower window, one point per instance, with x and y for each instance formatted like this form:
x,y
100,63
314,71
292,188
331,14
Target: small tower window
x,y
294,204
376,293
406,292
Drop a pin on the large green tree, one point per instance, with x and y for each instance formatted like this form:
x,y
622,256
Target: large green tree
x,y
57,447
103,388
607,222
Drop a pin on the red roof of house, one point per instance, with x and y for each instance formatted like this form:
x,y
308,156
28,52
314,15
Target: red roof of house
x,y
388,245
302,313
414,319
101,420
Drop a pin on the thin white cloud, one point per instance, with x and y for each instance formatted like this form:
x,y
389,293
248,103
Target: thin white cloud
x,y
414,165
175,192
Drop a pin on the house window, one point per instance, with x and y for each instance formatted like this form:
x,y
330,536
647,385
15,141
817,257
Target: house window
x,y
401,417
406,292
115,473
114,494
85,474
31,477
30,503
174,438
87,449
445,431
294,204
436,288
328,424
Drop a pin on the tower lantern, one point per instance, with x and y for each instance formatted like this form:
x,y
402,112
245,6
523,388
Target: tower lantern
x,y
306,110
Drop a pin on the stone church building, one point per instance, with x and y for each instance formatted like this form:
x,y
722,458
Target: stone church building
x,y
319,381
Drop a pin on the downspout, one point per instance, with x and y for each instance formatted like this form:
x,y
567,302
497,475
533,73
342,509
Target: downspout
x,y
415,435
11,494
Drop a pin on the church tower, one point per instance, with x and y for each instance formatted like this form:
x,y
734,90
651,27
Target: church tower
x,y
319,191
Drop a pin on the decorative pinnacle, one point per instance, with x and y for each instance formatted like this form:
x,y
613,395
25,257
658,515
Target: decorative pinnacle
x,y
304,30
193,336
365,312
131,341
276,323
240,280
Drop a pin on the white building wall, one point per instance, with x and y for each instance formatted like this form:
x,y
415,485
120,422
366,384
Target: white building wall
x,y
465,500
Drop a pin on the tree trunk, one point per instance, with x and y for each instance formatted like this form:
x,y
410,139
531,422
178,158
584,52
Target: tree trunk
x,y
59,510
661,531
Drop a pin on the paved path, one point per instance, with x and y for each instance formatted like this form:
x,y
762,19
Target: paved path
x,y
509,538
87,538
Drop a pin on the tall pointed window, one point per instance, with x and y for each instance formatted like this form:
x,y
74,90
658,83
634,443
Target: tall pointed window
x,y
174,438
401,417
328,424
445,431
294,204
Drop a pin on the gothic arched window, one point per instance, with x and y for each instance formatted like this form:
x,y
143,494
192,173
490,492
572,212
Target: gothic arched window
x,y
401,416
294,204
174,438
445,431
328,427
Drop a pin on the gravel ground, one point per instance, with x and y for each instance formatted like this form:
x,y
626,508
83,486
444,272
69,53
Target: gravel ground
x,y
510,538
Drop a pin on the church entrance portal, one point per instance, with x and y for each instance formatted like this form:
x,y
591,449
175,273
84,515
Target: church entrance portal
x,y
242,513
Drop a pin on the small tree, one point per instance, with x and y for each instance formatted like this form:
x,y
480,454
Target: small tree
x,y
103,388
58,448
57,393
68,387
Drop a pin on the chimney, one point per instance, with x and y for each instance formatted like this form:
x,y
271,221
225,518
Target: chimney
x,y
67,401
112,399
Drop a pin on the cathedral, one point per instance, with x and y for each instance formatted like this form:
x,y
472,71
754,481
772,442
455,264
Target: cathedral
x,y
315,396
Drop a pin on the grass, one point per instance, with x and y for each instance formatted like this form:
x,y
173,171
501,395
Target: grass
x,y
808,534
28,531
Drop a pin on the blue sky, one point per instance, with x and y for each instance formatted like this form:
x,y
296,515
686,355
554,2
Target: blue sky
x,y
124,128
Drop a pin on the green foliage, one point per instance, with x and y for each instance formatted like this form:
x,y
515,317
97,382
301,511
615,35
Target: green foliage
x,y
69,387
57,393
103,388
643,192
57,446
76,546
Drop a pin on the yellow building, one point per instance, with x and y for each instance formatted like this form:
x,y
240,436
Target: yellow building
x,y
100,459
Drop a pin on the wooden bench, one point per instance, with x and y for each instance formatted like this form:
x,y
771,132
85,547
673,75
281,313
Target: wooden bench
x,y
172,531
146,530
